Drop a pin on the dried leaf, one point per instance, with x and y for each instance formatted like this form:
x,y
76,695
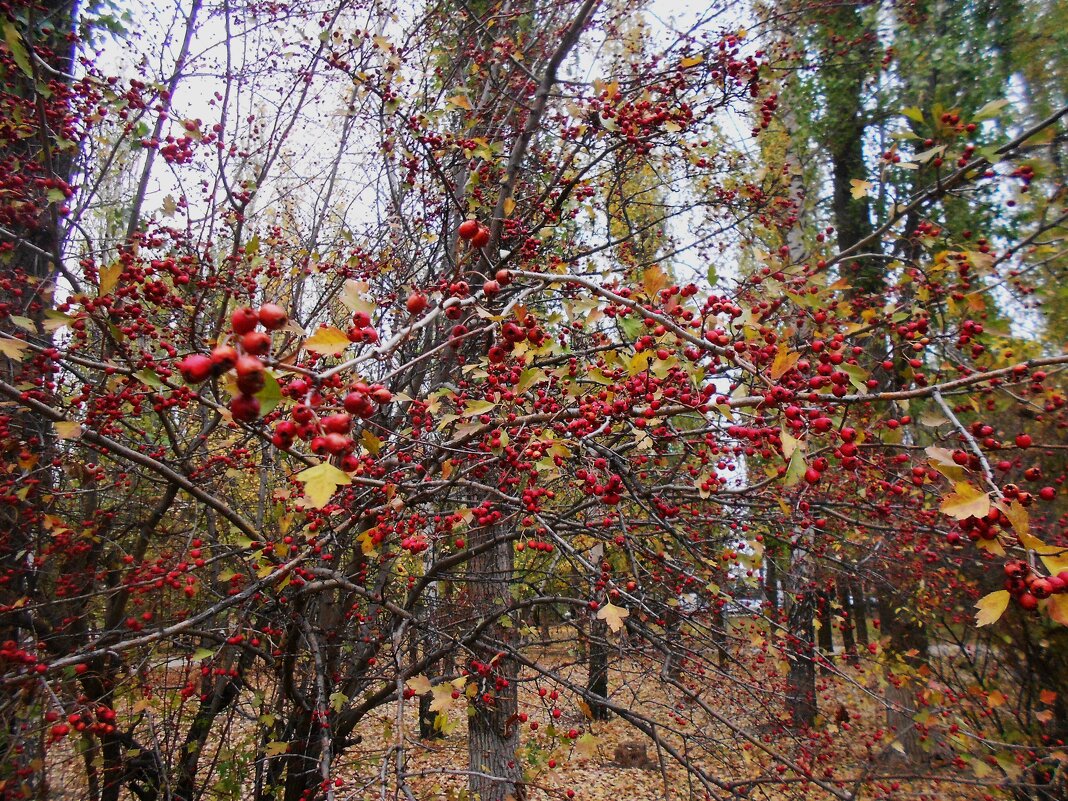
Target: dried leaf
x,y
860,188
613,615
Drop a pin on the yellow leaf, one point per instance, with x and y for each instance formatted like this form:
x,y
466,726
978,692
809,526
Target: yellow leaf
x,y
965,501
442,700
369,441
991,607
784,362
327,341
109,278
367,543
459,101
613,615
789,443
320,482
509,207
860,188
653,280
13,348
419,684
996,699
474,408
692,61
1057,607
1017,514
584,708
65,429
1054,557
276,749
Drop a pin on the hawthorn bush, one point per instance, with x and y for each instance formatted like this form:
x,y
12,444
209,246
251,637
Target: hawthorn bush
x,y
354,356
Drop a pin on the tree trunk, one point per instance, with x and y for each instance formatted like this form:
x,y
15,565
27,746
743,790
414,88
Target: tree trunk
x,y
492,731
771,583
908,643
800,645
849,642
826,632
597,683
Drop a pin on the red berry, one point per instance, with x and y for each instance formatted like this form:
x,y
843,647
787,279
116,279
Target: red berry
x,y
256,342
273,316
481,237
195,368
468,229
245,408
243,320
1023,441
250,375
223,358
416,303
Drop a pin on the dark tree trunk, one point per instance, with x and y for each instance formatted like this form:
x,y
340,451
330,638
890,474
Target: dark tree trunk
x,y
492,731
826,632
801,679
800,643
597,683
771,583
908,643
720,625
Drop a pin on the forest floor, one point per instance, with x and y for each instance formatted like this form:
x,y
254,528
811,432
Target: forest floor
x,y
728,724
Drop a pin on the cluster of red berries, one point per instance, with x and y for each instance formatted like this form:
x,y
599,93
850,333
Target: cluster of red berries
x,y
329,434
243,359
361,330
1028,587
474,232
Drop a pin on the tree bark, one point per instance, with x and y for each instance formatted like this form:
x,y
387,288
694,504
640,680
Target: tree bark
x,y
800,647
597,683
492,731
826,632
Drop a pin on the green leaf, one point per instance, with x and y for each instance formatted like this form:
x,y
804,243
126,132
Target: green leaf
x,y
149,378
17,48
990,110
276,749
200,654
320,482
271,394
913,114
337,701
474,408
795,469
